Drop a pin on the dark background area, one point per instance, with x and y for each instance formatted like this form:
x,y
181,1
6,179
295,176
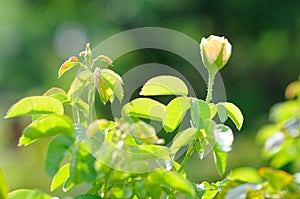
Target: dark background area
x,y
37,36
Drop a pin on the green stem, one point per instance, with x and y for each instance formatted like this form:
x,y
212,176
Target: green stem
x,y
211,78
187,156
91,101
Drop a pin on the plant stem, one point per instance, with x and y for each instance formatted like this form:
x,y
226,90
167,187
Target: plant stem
x,y
211,78
91,101
188,154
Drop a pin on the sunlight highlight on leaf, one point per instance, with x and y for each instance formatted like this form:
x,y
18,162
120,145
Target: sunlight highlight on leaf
x,y
164,85
175,112
145,108
234,114
35,105
46,126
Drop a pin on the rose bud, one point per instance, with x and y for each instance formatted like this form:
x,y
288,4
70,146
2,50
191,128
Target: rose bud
x,y
215,52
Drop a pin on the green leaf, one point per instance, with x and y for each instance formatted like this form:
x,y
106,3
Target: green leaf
x,y
224,137
213,110
28,194
108,84
82,165
35,105
105,91
134,159
266,131
278,179
115,82
56,93
164,85
171,179
57,150
46,125
60,177
200,113
81,81
206,190
293,90
220,159
3,186
82,106
144,108
87,196
144,132
175,112
101,124
183,138
234,114
285,110
246,174
222,112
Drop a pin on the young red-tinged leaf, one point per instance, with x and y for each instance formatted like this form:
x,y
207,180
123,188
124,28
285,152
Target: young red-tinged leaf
x,y
57,150
278,179
144,108
35,105
44,126
175,112
234,114
104,59
60,177
3,186
67,65
220,159
164,85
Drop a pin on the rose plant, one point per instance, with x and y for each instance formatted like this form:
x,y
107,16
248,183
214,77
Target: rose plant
x,y
125,158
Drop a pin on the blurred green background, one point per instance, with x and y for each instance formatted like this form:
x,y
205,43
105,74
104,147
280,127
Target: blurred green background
x,y
37,36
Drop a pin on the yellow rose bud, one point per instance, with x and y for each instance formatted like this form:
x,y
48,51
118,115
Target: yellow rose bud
x,y
215,52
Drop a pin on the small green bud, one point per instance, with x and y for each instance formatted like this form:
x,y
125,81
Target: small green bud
x,y
87,54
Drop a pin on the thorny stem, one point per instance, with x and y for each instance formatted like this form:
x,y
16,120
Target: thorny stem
x,y
191,149
211,78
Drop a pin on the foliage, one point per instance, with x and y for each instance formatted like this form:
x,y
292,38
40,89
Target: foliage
x,y
281,145
123,158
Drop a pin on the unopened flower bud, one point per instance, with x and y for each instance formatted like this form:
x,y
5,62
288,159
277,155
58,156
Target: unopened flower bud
x,y
215,52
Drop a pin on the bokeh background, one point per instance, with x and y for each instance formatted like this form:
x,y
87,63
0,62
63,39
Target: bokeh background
x,y
37,36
